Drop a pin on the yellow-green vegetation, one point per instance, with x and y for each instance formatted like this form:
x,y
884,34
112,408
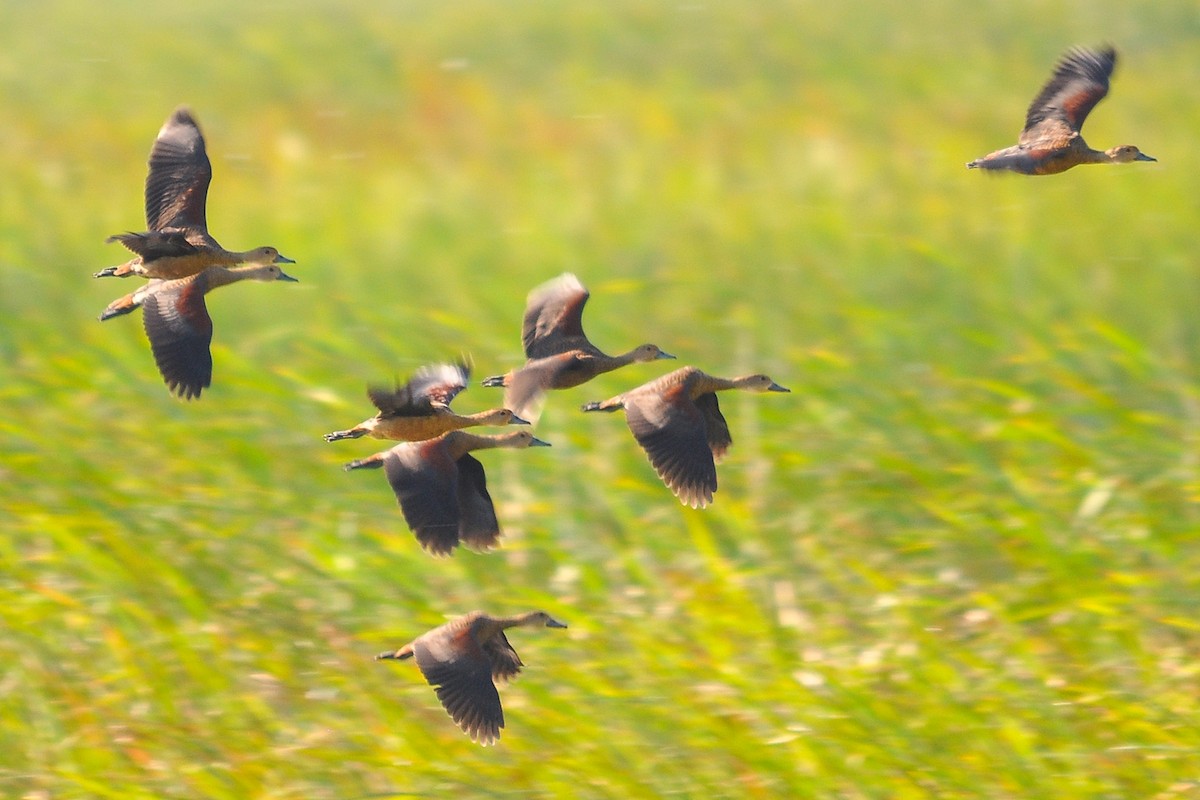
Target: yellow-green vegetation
x,y
959,560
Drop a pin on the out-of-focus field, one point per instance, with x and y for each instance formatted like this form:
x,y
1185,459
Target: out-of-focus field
x,y
959,560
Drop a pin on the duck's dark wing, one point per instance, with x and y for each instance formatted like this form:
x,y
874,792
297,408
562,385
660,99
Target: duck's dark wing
x,y
1079,82
426,486
439,384
528,385
671,429
504,659
153,245
177,184
716,430
180,332
554,318
461,675
478,525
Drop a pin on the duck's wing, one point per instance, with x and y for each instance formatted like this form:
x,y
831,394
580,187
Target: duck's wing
x,y
478,526
180,332
1079,82
671,429
153,245
527,386
460,673
177,184
426,486
504,659
439,383
554,318
716,429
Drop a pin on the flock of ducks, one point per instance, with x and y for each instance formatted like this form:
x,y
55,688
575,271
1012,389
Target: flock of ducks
x,y
440,486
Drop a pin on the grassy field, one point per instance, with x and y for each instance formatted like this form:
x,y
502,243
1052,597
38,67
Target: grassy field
x,y
960,560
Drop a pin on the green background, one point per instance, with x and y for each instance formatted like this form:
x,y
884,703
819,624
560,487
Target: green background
x,y
959,560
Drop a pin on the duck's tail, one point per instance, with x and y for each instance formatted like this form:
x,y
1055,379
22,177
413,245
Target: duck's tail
x,y
399,655
353,433
119,271
603,405
120,306
370,462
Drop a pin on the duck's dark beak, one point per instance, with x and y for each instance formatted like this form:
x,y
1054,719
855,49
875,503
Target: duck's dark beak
x,y
280,258
551,622
536,442
518,421
661,354
775,387
283,276
1144,157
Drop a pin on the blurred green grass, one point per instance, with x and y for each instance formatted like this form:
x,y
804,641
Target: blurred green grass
x,y
958,561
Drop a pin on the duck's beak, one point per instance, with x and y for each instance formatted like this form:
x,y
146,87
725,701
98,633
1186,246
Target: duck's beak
x,y
280,258
551,622
775,387
661,354
518,421
536,442
1144,157
283,276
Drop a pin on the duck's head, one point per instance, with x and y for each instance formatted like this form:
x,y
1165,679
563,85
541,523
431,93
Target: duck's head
x,y
523,439
267,255
649,352
1125,153
538,619
759,383
503,416
272,272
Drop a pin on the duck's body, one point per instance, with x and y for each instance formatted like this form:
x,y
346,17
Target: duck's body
x,y
173,254
420,409
1051,141
678,422
464,659
558,352
1052,157
442,488
178,243
178,325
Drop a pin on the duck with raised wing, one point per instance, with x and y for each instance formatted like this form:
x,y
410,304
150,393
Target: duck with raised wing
x,y
442,488
177,243
559,354
1051,141
178,325
678,422
420,409
463,659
